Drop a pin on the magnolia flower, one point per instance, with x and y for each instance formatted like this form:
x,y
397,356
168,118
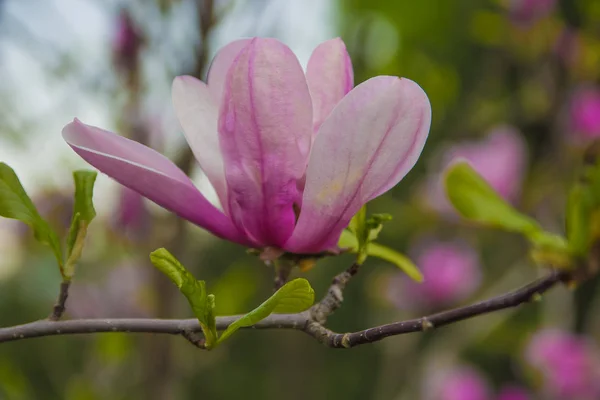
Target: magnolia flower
x,y
570,364
291,156
451,273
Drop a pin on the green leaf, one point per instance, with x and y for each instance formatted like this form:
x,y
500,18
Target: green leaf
x,y
202,303
580,206
293,297
475,199
16,204
365,231
83,214
375,225
358,226
398,259
84,192
348,241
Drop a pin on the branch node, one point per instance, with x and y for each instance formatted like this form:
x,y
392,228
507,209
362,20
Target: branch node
x,y
536,297
194,338
346,341
426,324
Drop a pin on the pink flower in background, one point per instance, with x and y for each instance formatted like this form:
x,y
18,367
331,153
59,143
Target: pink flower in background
x,y
570,364
514,393
120,295
500,159
529,11
127,42
292,156
585,113
131,216
460,383
451,273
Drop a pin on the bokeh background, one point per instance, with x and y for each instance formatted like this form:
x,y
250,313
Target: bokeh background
x,y
514,87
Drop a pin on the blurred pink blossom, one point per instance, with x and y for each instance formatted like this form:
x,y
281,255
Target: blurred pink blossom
x,y
460,383
513,393
527,12
585,112
570,364
451,273
127,42
131,217
120,295
500,158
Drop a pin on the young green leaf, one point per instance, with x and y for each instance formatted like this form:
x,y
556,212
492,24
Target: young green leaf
x,y
580,206
348,241
84,193
293,297
83,214
16,204
358,226
202,303
475,199
398,259
375,225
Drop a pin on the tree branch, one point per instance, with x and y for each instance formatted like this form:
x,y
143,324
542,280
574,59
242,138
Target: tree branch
x,y
527,293
307,321
334,297
59,308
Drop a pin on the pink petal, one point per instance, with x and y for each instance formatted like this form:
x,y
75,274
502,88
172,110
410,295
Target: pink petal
x,y
366,146
149,173
198,114
265,132
330,77
217,73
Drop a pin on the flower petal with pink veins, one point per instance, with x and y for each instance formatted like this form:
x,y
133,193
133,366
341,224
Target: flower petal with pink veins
x,y
330,77
198,114
265,130
217,72
149,173
366,146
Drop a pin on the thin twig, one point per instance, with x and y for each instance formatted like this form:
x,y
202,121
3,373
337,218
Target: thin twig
x,y
525,294
334,297
303,321
59,308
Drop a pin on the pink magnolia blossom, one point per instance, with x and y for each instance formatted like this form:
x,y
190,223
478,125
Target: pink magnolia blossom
x,y
570,364
291,156
585,113
460,383
451,273
500,159
530,11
